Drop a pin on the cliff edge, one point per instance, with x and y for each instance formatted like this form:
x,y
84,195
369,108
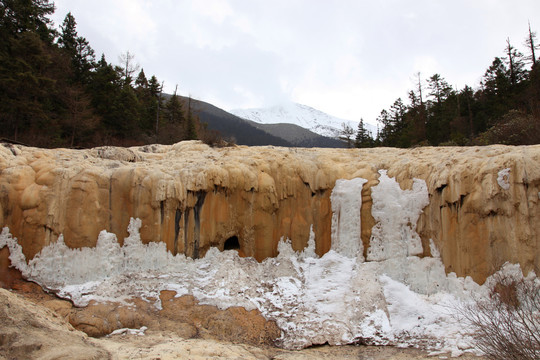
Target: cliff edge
x,y
483,210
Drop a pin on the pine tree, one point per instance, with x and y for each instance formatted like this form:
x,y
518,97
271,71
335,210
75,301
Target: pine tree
x,y
105,90
439,113
68,35
363,136
84,60
78,49
26,86
126,115
156,91
386,132
394,124
397,113
26,64
175,112
141,83
154,86
496,80
18,17
439,89
191,127
148,103
80,119
468,95
416,118
496,95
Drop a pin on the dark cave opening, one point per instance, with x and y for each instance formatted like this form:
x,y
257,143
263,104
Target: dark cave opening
x,y
232,243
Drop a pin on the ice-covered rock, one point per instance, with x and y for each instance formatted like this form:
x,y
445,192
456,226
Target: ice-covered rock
x,y
191,197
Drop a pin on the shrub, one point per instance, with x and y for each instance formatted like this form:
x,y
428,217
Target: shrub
x,y
515,128
507,322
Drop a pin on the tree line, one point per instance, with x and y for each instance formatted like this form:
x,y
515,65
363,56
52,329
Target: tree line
x,y
504,109
54,92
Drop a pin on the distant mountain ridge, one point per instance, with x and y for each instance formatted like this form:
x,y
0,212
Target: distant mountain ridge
x,y
302,115
245,132
231,127
298,136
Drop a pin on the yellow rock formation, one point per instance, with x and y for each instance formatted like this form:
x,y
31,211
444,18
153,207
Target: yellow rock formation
x,y
193,197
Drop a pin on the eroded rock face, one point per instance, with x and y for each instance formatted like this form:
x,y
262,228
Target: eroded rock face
x,y
181,315
193,197
30,331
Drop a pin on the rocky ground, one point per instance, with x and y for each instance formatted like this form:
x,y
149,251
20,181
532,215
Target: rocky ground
x,y
36,325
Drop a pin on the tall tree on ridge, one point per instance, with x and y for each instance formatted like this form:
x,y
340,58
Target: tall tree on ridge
x,y
419,88
77,47
496,79
385,134
147,100
141,82
191,127
416,119
439,117
80,117
68,35
363,137
440,90
514,59
129,67
394,125
174,109
531,44
105,90
468,94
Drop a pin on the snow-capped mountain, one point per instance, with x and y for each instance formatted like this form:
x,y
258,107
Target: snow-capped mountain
x,y
301,115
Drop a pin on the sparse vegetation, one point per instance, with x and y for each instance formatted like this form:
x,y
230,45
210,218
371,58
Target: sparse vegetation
x,y
507,322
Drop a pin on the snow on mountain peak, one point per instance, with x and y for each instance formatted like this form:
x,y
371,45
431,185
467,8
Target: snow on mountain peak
x,y
301,115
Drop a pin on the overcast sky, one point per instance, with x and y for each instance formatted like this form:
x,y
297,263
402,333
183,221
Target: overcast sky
x,y
348,58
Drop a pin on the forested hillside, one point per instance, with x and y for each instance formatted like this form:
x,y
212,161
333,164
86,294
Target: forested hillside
x,y
504,109
55,92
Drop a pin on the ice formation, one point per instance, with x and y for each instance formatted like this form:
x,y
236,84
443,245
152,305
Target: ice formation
x,y
503,178
397,212
393,298
346,201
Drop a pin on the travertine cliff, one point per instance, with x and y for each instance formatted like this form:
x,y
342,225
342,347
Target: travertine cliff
x,y
484,202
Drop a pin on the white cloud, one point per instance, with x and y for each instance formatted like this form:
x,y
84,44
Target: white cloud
x,y
216,10
426,64
348,58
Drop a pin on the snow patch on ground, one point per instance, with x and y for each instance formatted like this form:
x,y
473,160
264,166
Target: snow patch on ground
x,y
127,331
397,298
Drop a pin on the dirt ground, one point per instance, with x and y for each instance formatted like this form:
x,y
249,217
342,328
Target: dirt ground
x,y
168,346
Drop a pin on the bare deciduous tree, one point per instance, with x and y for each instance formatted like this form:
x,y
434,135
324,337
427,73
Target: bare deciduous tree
x,y
507,322
129,66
